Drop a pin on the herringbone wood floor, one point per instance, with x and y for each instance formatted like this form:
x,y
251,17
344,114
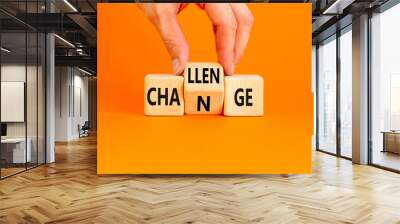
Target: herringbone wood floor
x,y
69,191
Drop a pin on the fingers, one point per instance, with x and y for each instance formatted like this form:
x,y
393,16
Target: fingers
x,y
163,16
225,25
244,19
232,26
182,6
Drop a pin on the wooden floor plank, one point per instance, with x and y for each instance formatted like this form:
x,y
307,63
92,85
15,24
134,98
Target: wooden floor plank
x,y
70,191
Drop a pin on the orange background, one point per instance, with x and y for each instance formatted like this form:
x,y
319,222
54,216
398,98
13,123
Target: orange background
x,y
279,49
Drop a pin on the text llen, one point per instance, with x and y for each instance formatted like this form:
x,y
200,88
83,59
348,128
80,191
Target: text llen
x,y
203,75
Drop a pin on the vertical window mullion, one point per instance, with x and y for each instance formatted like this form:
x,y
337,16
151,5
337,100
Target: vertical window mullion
x,y
37,89
369,91
338,91
0,94
26,86
317,96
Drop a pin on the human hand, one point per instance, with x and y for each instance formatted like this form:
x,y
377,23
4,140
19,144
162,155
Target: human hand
x,y
232,24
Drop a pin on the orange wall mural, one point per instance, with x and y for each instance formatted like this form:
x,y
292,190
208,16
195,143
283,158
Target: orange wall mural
x,y
129,142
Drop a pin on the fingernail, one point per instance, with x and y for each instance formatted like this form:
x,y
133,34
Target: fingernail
x,y
175,65
231,69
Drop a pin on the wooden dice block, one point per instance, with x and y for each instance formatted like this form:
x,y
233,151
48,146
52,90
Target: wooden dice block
x,y
244,95
163,95
204,88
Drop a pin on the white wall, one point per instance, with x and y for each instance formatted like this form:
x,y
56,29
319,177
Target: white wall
x,y
62,82
80,83
71,87
16,73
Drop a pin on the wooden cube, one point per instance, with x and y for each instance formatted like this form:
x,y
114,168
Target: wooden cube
x,y
163,95
244,95
204,88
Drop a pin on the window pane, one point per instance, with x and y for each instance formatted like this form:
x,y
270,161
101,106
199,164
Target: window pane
x,y
386,88
31,100
346,94
327,96
15,151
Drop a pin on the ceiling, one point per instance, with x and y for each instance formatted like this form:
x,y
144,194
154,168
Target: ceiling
x,y
74,22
